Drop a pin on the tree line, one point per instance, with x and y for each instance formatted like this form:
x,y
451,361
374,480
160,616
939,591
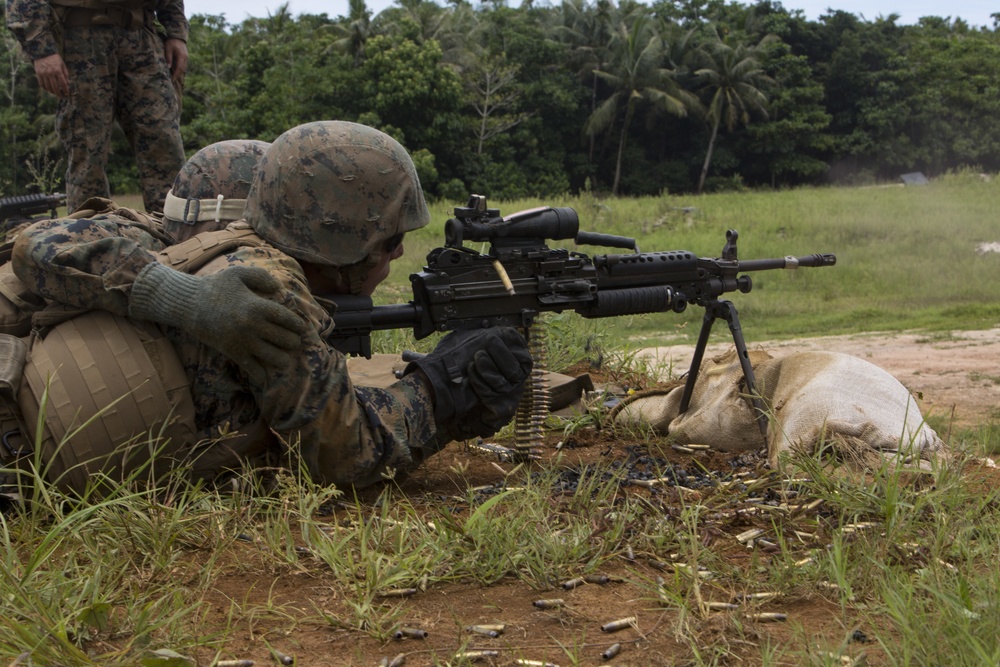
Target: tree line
x,y
622,98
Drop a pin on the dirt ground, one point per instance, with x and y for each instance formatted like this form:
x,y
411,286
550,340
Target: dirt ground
x,y
956,375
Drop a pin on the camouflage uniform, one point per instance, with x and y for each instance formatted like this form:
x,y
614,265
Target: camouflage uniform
x,y
117,71
343,434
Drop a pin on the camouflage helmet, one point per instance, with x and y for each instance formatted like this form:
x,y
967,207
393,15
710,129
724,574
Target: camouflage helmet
x,y
211,188
332,192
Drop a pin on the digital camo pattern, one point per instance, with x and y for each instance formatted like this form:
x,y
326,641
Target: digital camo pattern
x,y
331,192
114,73
34,25
224,168
345,435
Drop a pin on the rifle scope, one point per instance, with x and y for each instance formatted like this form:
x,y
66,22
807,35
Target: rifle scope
x,y
546,222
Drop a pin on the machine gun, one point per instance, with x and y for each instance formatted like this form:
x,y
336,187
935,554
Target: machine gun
x,y
24,208
520,277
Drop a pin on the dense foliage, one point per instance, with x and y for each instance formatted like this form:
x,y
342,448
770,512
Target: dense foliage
x,y
623,98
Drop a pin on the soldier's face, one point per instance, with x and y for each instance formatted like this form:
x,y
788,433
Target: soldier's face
x,y
380,271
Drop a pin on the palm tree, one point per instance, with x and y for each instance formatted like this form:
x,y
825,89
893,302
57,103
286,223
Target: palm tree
x,y
351,38
587,29
732,80
635,74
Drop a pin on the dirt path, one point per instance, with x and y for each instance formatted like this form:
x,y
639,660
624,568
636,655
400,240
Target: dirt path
x,y
954,375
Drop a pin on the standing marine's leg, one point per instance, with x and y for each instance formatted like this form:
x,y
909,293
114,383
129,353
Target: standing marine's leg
x,y
148,112
84,119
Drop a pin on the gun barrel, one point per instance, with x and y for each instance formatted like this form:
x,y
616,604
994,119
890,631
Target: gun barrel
x,y
816,260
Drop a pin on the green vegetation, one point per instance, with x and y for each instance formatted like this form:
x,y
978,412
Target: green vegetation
x,y
577,96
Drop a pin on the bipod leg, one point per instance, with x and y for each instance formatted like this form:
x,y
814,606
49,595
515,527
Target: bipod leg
x,y
699,353
727,311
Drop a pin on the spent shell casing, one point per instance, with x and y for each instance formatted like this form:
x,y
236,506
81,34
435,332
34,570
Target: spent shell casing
x,y
682,449
397,661
398,593
769,617
620,624
629,554
484,630
599,579
748,535
573,583
412,633
234,663
534,663
611,651
757,597
476,655
721,606
552,603
281,658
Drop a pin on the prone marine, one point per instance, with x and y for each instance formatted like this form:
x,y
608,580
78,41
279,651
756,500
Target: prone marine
x,y
326,213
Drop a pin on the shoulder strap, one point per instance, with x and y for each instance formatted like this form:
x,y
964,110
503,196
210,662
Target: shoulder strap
x,y
189,256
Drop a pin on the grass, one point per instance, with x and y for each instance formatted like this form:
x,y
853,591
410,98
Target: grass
x,y
130,577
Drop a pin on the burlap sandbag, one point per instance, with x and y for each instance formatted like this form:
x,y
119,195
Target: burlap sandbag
x,y
811,398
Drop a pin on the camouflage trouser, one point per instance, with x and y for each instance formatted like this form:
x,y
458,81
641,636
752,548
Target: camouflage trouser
x,y
118,74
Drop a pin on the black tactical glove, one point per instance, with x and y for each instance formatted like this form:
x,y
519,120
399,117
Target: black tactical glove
x,y
224,310
477,378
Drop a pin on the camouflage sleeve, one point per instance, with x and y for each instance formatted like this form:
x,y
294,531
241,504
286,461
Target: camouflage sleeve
x,y
88,263
345,435
30,21
170,14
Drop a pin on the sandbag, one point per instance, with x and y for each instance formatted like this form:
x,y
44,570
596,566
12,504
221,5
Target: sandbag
x,y
811,398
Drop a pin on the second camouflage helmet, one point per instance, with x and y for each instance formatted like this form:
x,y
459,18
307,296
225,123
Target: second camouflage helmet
x,y
331,192
211,188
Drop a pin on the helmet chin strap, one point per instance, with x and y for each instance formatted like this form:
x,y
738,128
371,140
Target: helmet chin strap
x,y
351,278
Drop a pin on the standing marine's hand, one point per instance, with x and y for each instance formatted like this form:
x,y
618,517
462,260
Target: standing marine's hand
x,y
228,311
52,75
176,53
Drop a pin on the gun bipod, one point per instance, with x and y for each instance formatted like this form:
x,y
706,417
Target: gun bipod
x,y
727,311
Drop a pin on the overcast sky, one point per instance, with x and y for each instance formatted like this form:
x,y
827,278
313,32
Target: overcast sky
x,y
975,12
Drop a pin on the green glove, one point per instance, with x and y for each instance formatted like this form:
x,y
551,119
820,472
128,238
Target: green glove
x,y
228,311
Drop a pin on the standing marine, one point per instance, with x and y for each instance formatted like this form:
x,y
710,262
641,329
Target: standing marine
x,y
107,61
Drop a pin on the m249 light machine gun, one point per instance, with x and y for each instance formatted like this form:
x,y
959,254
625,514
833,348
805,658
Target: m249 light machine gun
x,y
25,208
520,277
